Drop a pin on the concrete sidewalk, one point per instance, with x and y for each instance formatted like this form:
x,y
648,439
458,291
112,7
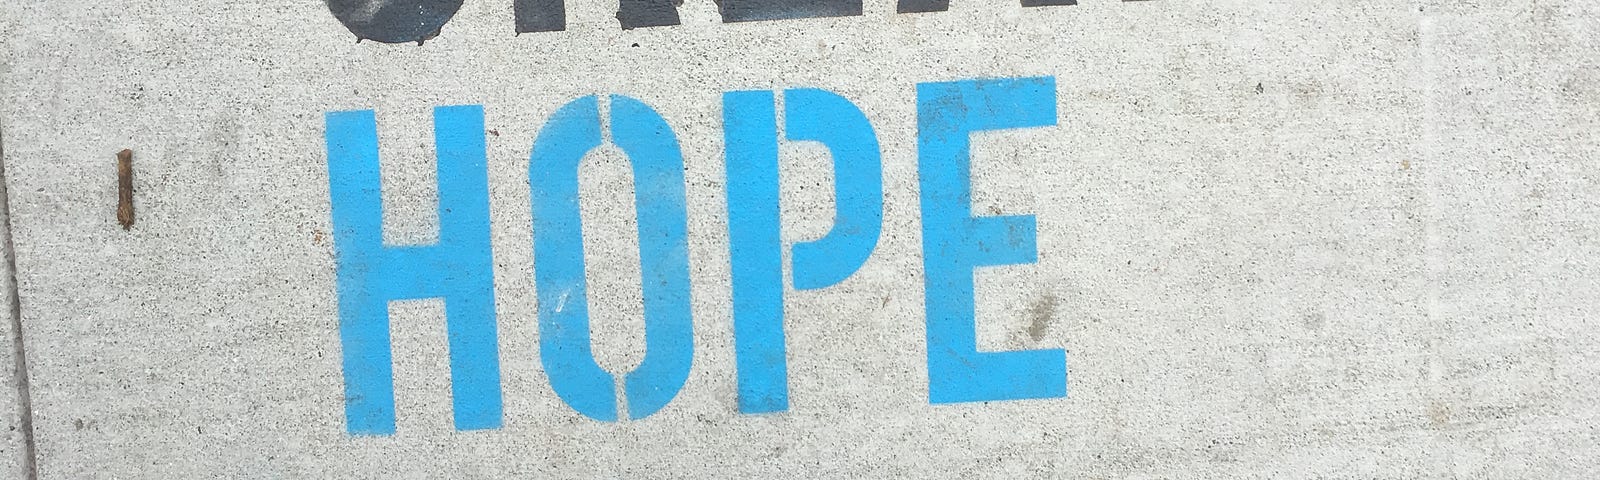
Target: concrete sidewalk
x,y
1275,239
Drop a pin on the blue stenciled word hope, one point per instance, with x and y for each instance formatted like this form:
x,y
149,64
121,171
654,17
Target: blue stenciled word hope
x,y
458,267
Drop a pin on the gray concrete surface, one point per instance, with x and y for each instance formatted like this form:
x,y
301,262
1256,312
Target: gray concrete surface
x,y
1278,239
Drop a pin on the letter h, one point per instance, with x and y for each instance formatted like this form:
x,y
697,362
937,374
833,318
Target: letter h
x,y
458,269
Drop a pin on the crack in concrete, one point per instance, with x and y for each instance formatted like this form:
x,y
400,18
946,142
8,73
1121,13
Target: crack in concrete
x,y
30,452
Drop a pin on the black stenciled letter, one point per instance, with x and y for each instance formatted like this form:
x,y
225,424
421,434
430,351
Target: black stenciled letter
x,y
540,15
551,15
647,13
394,21
1046,3
758,10
916,6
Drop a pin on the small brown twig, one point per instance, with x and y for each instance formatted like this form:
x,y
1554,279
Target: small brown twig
x,y
125,188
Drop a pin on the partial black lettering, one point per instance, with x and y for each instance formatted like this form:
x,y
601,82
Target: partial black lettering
x,y
394,21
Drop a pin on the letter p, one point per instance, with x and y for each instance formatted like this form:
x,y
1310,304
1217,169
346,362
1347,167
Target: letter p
x,y
749,120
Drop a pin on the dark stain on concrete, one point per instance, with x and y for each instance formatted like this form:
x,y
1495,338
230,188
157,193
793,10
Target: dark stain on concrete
x,y
1314,321
1042,310
1439,413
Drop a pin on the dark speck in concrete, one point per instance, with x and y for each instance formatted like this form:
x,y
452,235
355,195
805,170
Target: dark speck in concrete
x,y
1314,320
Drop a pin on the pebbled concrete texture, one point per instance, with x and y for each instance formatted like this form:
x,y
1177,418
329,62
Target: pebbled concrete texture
x,y
1277,239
